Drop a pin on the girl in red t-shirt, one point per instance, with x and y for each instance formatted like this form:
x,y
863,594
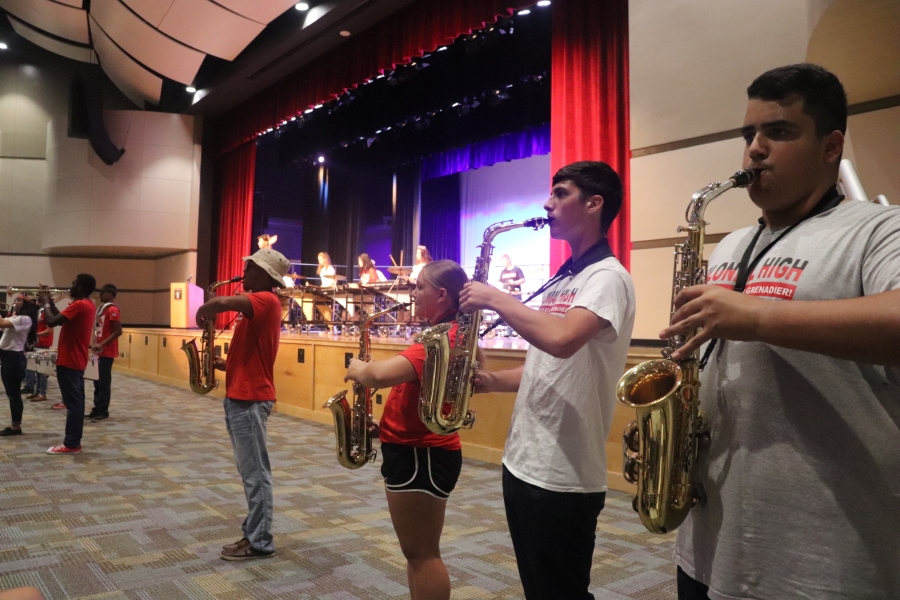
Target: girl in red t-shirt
x,y
414,459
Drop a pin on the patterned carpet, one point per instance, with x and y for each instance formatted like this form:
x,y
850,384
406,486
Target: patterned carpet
x,y
143,512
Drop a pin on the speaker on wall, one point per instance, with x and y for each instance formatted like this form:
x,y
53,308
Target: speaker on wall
x,y
86,116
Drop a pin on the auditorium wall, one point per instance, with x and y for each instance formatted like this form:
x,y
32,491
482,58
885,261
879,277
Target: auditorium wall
x,y
64,212
690,65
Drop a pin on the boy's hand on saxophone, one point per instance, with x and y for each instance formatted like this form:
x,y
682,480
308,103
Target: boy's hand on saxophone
x,y
714,312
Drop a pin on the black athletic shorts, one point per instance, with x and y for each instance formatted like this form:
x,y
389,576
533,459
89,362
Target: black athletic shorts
x,y
434,471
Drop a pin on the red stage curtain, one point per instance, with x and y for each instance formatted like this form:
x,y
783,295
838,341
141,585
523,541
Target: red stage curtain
x,y
413,30
237,169
589,105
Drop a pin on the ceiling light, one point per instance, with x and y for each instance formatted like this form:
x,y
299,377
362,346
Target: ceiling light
x,y
3,46
544,3
191,89
345,33
301,6
307,111
442,48
321,159
524,12
317,106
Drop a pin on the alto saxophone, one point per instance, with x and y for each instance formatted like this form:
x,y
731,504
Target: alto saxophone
x,y
660,447
351,423
201,362
448,375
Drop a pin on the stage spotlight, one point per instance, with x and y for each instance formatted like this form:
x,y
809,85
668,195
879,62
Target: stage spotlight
x,y
543,3
190,89
321,159
3,46
442,48
524,12
301,6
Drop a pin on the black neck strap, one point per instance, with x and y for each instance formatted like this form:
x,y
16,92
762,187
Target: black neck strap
x,y
831,199
570,268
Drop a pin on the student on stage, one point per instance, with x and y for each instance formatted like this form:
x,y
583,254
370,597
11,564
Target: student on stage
x,y
420,468
423,257
368,274
325,270
511,277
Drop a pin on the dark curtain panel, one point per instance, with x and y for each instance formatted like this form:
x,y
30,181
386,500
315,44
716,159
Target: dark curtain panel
x,y
236,169
409,188
413,30
589,107
355,199
439,223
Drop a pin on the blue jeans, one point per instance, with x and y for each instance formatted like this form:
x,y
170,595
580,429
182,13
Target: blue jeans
x,y
103,385
71,387
246,423
39,388
12,371
553,537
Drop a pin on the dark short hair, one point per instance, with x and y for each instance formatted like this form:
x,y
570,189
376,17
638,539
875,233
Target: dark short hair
x,y
87,283
595,178
823,95
110,288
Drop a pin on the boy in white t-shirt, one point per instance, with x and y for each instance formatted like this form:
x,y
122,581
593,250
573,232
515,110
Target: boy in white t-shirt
x,y
554,462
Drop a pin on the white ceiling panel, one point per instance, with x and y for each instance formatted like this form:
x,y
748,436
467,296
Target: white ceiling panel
x,y
151,11
135,81
60,20
72,3
46,42
145,43
261,12
209,27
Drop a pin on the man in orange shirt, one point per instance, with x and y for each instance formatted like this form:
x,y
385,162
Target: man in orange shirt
x,y
107,329
250,392
77,320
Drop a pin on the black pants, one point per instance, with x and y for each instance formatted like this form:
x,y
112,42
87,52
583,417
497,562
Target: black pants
x,y
103,385
690,589
12,371
553,536
71,387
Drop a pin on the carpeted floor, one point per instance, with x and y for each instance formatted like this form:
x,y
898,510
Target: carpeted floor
x,y
143,511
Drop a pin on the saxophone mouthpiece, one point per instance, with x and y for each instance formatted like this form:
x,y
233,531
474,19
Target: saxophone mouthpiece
x,y
236,279
743,178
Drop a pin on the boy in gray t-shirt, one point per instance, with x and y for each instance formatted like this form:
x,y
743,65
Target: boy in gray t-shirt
x,y
802,391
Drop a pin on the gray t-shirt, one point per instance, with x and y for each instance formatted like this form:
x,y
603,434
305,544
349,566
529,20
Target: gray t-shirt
x,y
803,470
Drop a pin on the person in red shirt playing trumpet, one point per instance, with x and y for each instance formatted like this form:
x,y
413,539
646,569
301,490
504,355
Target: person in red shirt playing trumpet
x,y
76,321
250,392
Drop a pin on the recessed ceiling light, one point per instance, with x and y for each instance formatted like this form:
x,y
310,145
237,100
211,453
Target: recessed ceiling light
x,y
345,33
544,3
191,89
524,12
302,6
3,46
321,159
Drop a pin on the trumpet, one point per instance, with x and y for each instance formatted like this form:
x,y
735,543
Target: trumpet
x,y
31,293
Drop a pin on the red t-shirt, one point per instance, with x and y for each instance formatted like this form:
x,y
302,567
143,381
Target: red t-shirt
x,y
251,358
75,335
400,423
47,340
105,329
